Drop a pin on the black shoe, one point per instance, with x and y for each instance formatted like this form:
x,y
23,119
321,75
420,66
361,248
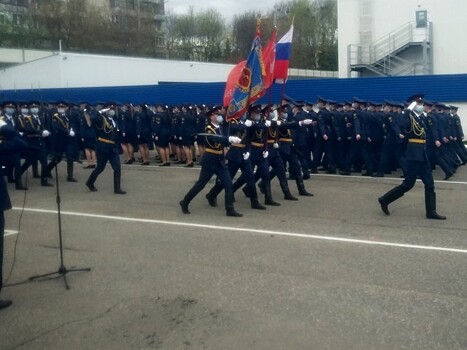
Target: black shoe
x,y
165,164
71,179
272,202
21,188
245,191
36,176
327,172
367,173
313,171
145,163
306,194
378,175
129,161
45,183
91,187
234,213
184,207
119,191
257,205
189,165
289,197
448,176
306,176
343,172
211,200
384,206
5,303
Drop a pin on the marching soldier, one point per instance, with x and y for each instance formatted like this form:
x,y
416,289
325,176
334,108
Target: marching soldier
x,y
35,134
417,161
107,148
213,162
63,134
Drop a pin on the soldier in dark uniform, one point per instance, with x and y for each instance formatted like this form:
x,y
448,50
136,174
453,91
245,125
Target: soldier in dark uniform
x,y
144,132
458,135
213,162
392,137
162,126
300,139
127,125
107,148
200,125
63,134
417,161
188,133
10,144
13,166
88,136
256,141
284,141
34,134
238,157
434,142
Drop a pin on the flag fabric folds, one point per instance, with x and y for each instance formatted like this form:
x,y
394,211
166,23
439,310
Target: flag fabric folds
x,y
250,83
283,53
269,59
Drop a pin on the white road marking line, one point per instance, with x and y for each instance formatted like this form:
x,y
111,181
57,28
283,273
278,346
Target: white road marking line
x,y
10,233
250,230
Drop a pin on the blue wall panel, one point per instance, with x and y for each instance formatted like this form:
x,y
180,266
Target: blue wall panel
x,y
452,88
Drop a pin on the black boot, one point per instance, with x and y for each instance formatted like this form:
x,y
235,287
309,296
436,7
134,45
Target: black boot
x,y
117,180
35,171
90,182
19,185
286,191
232,212
184,206
69,171
389,197
255,204
212,200
50,167
301,189
45,182
430,206
246,191
268,195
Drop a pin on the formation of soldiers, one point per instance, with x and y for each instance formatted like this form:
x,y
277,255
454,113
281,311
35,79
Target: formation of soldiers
x,y
353,136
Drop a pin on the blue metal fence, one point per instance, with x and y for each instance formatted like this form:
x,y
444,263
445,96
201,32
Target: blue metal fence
x,y
451,88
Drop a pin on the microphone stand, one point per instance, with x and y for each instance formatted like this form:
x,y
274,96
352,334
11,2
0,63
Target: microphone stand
x,y
62,270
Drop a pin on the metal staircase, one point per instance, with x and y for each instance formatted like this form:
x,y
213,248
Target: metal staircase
x,y
405,51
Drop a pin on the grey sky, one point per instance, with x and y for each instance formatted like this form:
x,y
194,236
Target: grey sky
x,y
228,8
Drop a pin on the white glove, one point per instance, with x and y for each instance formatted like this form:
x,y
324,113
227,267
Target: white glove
x,y
234,139
45,133
265,154
412,106
267,123
278,123
248,123
72,133
123,134
180,138
21,133
157,138
2,123
276,145
306,122
246,155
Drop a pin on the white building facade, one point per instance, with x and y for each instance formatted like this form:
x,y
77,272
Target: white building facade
x,y
401,37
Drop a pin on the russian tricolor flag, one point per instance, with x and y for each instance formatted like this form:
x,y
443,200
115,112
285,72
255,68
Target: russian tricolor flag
x,y
283,52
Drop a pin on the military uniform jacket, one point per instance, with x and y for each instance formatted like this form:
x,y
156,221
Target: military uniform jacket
x,y
236,151
459,133
285,136
215,141
32,129
415,132
432,134
256,137
327,123
107,133
10,144
391,128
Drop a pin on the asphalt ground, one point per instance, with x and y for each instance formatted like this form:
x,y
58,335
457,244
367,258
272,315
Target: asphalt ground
x,y
325,272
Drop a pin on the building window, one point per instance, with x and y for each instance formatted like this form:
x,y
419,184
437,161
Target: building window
x,y
421,19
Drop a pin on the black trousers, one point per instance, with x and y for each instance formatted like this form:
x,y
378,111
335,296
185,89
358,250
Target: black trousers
x,y
2,233
103,156
205,175
419,169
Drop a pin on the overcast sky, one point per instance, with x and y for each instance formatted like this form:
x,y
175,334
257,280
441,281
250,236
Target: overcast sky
x,y
228,8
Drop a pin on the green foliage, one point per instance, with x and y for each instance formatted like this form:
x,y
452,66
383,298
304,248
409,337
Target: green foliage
x,y
200,36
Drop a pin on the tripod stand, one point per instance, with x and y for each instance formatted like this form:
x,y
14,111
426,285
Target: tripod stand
x,y
62,270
